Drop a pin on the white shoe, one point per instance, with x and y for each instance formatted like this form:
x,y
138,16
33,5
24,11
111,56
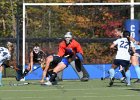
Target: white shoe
x,y
48,83
128,84
22,79
121,79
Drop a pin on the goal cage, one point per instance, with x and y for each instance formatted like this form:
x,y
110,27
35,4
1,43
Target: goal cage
x,y
92,24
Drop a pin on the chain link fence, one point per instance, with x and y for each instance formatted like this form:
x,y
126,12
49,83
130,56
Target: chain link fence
x,y
92,26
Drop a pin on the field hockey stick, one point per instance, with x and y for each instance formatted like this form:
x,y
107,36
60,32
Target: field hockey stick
x,y
104,72
33,71
24,83
18,84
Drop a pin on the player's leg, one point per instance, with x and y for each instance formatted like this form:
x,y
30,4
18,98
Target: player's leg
x,y
112,72
57,69
123,74
135,63
1,69
61,66
127,73
79,62
126,64
79,68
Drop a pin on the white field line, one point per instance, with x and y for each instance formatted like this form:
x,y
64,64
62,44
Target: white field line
x,y
72,96
62,88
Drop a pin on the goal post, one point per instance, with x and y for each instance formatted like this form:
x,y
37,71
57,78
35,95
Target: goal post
x,y
131,4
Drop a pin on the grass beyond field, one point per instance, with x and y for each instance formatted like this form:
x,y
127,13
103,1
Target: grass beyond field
x,y
70,90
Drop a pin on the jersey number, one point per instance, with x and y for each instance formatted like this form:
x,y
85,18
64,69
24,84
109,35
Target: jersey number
x,y
124,44
2,51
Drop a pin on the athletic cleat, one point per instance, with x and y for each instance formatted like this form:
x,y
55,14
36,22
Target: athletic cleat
x,y
22,79
54,83
111,81
137,81
123,80
84,79
48,83
128,84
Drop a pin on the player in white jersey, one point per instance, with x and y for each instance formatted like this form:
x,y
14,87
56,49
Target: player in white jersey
x,y
134,58
123,55
5,54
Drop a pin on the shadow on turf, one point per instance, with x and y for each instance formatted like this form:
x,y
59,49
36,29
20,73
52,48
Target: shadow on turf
x,y
134,90
118,85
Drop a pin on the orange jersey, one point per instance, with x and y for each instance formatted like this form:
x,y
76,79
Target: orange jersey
x,y
74,46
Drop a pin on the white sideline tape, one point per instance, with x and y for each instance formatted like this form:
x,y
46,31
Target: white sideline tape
x,y
73,96
58,89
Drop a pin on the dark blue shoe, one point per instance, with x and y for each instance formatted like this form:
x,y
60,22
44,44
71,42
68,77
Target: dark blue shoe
x,y
111,81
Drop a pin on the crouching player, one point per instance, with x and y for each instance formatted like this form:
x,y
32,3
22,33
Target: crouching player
x,y
36,56
123,55
54,64
70,46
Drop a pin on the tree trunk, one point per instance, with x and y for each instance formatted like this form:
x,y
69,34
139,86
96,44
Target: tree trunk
x,y
13,21
4,26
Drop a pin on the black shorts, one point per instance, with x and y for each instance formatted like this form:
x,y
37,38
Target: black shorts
x,y
123,63
54,63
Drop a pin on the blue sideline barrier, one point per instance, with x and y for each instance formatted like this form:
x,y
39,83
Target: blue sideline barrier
x,y
96,71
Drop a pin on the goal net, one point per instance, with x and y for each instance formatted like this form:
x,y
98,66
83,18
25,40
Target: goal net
x,y
92,24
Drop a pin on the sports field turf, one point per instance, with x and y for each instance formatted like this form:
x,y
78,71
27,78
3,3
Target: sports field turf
x,y
70,90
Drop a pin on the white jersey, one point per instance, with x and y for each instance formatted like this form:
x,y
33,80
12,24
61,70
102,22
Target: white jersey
x,y
123,47
4,55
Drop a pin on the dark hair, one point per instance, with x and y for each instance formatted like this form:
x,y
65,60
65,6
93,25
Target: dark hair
x,y
36,45
126,34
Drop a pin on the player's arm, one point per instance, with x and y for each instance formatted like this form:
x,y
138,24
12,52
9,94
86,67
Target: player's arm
x,y
31,61
43,55
61,50
79,54
48,61
112,46
11,64
42,60
134,41
133,47
79,48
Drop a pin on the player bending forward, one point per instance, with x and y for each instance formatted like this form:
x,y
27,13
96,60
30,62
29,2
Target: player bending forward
x,y
54,64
